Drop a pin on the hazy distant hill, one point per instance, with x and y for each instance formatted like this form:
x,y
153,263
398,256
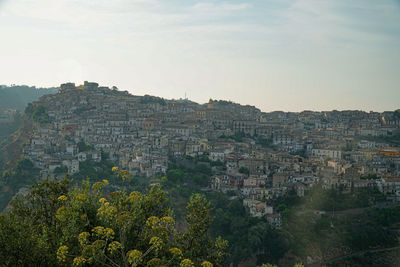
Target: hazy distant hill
x,y
18,96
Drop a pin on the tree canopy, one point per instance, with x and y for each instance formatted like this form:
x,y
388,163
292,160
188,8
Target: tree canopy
x,y
40,114
57,224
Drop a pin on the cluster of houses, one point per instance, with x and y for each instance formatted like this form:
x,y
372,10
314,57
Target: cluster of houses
x,y
264,155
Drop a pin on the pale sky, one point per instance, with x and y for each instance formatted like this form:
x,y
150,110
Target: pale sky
x,y
286,55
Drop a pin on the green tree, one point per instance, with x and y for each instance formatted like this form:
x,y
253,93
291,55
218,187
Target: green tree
x,y
84,147
256,235
24,165
60,225
175,175
244,170
60,170
40,114
195,241
29,232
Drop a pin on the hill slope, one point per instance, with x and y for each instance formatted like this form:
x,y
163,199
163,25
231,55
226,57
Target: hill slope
x,y
17,97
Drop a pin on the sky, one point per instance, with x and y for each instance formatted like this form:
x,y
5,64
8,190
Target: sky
x,y
288,55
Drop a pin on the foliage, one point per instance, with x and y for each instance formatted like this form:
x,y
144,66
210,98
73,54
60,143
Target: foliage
x,y
24,165
369,176
8,128
231,219
217,163
373,229
195,242
393,140
223,102
94,170
84,147
271,265
349,226
40,115
247,236
18,96
29,109
59,225
24,174
152,99
194,173
302,153
238,136
60,170
28,233
244,170
265,142
82,110
333,199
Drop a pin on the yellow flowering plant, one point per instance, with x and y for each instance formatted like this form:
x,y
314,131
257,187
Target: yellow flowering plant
x,y
86,226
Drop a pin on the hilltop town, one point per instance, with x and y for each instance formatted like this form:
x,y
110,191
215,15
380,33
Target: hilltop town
x,y
261,156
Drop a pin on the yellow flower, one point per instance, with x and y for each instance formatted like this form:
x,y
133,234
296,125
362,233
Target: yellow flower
x,y
105,181
134,256
152,222
78,261
97,186
98,231
134,196
156,242
83,238
101,232
62,198
167,220
113,246
107,211
187,263
109,233
114,169
60,214
124,174
207,264
83,217
154,262
176,252
81,197
102,200
62,253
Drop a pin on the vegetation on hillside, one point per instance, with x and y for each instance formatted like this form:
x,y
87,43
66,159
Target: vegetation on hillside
x,y
38,113
60,225
152,99
7,128
248,237
303,232
23,175
326,223
18,96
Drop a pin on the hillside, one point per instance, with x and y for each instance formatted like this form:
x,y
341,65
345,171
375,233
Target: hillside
x,y
18,96
284,187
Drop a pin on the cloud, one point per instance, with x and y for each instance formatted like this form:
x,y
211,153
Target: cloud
x,y
207,6
79,14
313,23
229,45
